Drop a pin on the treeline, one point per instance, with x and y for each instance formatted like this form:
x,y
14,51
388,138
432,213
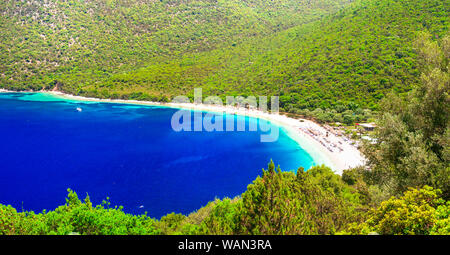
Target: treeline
x,y
278,203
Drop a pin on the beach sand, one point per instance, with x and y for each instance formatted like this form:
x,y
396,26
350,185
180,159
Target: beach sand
x,y
324,147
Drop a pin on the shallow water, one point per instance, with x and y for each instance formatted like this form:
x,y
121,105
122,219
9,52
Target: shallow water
x,y
128,153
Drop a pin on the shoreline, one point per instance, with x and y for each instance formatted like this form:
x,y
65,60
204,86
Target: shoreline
x,y
324,147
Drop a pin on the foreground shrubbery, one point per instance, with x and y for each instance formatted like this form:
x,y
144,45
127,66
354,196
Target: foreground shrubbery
x,y
313,202
417,212
75,217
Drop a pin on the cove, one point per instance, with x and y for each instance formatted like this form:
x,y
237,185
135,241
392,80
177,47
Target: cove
x,y
126,152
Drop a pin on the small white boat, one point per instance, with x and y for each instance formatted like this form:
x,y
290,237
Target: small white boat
x,y
79,109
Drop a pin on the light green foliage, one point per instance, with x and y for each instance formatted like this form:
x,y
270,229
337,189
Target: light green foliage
x,y
411,214
417,212
75,217
442,225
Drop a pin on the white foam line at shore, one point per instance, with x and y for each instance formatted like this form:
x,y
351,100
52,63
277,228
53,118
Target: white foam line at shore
x,y
297,129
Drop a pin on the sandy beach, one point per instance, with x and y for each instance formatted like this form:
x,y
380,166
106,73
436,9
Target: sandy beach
x,y
323,146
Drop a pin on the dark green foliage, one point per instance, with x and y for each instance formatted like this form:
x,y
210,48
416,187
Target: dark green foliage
x,y
413,130
223,218
315,202
170,223
350,176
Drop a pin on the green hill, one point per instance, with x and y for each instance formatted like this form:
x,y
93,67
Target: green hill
x,y
323,54
356,55
87,41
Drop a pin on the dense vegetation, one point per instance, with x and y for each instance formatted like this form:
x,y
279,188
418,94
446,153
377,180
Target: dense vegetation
x,y
82,43
334,57
412,147
313,202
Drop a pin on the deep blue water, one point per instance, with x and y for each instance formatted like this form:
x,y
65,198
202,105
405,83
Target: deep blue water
x,y
128,153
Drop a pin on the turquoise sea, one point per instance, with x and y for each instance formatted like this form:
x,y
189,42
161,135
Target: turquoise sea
x,y
126,152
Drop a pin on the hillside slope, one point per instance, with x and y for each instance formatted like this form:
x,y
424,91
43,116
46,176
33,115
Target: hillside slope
x,y
343,61
352,57
90,40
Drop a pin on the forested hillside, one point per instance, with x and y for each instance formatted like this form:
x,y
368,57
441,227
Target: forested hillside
x,y
354,56
83,42
332,55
